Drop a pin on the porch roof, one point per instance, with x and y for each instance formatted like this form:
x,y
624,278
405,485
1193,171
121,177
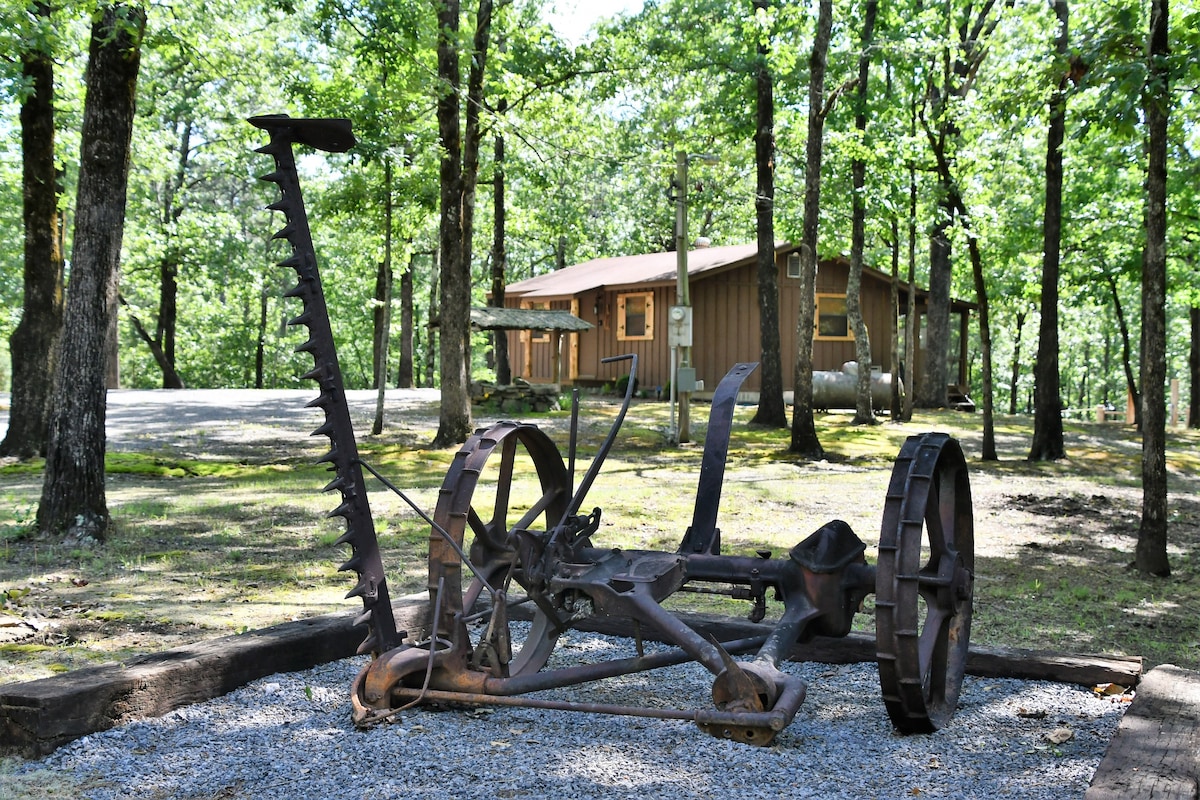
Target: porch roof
x,y
526,319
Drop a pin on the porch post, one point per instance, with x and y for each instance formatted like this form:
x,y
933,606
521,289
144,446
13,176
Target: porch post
x,y
556,357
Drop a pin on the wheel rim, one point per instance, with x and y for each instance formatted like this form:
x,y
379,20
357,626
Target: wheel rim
x,y
508,477
924,581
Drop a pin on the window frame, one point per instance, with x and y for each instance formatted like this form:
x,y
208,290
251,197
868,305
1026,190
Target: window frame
x,y
823,337
648,314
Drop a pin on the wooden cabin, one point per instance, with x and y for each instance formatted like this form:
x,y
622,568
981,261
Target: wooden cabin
x,y
627,300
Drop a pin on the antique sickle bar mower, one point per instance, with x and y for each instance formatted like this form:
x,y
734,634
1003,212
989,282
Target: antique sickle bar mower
x,y
507,536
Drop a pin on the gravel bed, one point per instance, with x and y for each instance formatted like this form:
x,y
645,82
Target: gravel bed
x,y
290,736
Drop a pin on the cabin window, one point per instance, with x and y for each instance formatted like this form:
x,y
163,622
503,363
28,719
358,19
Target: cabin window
x,y
635,316
793,266
831,322
536,336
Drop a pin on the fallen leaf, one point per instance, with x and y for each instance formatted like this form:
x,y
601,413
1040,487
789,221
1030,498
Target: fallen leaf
x,y
1060,735
1027,714
1109,689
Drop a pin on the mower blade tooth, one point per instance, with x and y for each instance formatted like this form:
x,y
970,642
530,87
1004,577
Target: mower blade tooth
x,y
369,645
317,373
272,177
362,589
324,430
341,511
352,565
303,319
323,401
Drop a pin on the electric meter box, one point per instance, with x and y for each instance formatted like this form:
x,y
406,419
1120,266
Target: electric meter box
x,y
685,378
679,326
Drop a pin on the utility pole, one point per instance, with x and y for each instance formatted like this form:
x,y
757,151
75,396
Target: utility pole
x,y
685,377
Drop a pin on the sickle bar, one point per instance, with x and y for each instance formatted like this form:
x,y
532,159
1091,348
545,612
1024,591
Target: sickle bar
x,y
330,135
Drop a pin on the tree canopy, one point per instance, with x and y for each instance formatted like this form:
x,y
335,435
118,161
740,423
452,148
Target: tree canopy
x,y
590,132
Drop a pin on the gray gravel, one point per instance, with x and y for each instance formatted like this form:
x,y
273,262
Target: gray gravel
x,y
290,736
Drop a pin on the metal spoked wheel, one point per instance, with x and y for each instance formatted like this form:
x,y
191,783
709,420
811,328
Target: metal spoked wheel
x,y
506,478
924,582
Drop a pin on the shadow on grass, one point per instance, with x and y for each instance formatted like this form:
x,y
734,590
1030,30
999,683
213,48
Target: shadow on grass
x,y
1073,588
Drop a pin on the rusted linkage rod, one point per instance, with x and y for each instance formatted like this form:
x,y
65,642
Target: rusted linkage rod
x,y
776,719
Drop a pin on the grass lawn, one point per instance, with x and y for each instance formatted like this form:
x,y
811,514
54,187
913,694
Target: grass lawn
x,y
212,545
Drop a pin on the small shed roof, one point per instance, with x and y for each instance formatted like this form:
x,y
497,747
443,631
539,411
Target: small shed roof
x,y
526,319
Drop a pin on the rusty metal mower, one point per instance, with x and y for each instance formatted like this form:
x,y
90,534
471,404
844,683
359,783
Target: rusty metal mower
x,y
508,539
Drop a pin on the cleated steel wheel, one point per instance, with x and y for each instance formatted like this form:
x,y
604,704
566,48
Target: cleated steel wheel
x,y
506,479
924,582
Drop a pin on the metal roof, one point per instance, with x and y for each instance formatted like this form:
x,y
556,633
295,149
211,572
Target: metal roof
x,y
627,271
526,319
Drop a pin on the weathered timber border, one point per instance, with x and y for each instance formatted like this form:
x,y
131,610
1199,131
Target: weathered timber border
x,y
39,716
1155,752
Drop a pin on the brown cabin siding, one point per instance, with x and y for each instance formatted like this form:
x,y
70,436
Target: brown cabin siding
x,y
727,322
726,329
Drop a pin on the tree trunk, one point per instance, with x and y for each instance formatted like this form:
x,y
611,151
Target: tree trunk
x,y
988,451
260,339
73,500
404,373
956,206
959,207
383,311
32,344
454,423
382,288
431,336
864,412
1015,378
804,429
1194,368
967,45
911,319
1047,393
896,407
171,378
163,345
471,134
168,297
1131,384
771,410
1151,551
936,377
499,253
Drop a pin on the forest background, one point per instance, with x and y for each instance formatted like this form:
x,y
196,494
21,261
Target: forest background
x,y
589,133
